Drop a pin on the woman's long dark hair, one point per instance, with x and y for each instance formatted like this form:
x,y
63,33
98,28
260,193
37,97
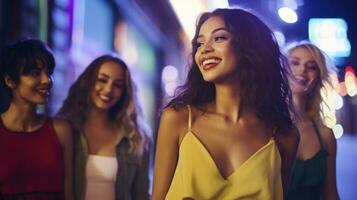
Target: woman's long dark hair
x,y
263,85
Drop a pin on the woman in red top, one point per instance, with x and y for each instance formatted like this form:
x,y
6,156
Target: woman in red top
x,y
35,150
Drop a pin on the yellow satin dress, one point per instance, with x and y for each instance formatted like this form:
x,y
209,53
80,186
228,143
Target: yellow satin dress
x,y
197,176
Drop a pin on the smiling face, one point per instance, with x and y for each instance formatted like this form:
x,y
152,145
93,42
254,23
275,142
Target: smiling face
x,y
304,69
215,55
33,86
109,86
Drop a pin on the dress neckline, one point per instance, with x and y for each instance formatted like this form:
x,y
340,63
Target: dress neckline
x,y
213,162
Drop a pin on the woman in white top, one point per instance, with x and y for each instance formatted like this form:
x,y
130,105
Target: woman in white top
x,y
111,146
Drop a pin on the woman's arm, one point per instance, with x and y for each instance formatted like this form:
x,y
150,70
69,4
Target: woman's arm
x,y
64,133
329,189
172,123
288,144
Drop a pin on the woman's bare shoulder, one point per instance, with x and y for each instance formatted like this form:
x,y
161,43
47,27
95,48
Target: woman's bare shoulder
x,y
63,130
61,125
175,114
174,121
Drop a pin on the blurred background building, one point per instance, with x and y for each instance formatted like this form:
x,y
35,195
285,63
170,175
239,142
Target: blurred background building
x,y
153,37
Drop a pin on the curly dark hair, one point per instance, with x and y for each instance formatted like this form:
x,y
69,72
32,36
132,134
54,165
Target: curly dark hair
x,y
262,81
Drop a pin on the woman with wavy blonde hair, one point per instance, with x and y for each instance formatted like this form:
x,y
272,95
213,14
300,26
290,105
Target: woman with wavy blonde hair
x,y
102,107
314,171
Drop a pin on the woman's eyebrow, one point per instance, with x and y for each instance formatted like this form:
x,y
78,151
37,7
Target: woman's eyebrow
x,y
215,30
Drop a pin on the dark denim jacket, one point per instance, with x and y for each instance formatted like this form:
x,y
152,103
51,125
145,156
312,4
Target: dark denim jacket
x,y
132,181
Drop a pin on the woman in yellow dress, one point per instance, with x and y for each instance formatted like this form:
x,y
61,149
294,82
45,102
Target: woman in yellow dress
x,y
227,133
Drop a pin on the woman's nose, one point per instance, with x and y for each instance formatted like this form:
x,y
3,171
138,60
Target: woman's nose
x,y
45,77
207,47
108,87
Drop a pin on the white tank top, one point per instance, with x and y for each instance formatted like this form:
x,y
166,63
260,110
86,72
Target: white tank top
x,y
101,174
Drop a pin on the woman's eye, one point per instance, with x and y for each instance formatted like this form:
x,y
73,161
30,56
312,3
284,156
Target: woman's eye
x,y
220,38
102,80
119,85
294,63
312,68
34,72
198,44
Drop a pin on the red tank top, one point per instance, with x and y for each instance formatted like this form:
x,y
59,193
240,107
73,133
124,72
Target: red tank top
x,y
31,164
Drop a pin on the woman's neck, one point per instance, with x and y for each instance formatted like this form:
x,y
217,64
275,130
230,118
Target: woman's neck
x,y
227,102
21,117
300,103
97,118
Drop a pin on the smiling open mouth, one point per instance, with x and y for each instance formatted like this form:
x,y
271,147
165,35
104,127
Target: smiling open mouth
x,y
209,63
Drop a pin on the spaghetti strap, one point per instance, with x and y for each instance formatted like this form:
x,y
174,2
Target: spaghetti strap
x,y
275,130
318,134
189,117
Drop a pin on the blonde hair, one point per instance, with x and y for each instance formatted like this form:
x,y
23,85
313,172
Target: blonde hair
x,y
326,68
